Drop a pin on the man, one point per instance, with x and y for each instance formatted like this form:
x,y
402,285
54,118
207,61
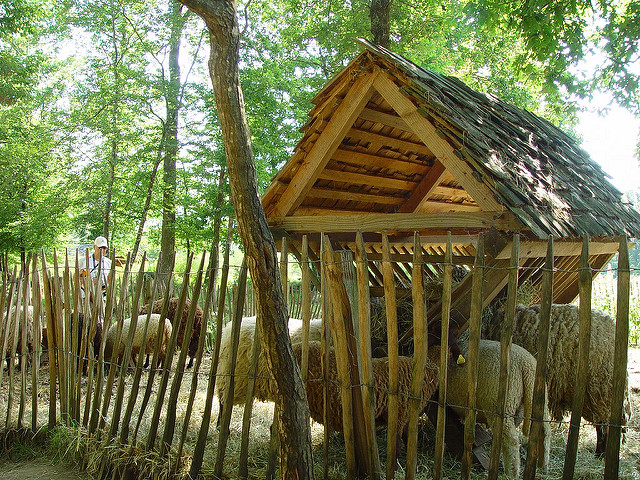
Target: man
x,y
98,261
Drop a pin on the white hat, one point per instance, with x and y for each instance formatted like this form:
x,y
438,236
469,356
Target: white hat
x,y
100,242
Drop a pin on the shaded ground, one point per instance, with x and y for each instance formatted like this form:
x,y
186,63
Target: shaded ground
x,y
38,469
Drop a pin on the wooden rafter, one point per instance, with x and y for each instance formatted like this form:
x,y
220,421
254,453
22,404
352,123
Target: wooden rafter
x,y
385,118
378,161
364,179
424,188
316,159
443,151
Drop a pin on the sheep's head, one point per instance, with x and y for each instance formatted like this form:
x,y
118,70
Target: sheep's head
x,y
434,338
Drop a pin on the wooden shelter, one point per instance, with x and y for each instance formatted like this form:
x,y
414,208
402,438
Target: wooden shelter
x,y
391,147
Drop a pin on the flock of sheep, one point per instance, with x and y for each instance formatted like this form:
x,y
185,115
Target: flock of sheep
x,y
562,355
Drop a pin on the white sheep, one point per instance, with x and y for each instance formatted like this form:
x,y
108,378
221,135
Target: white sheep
x,y
563,360
152,330
10,332
519,399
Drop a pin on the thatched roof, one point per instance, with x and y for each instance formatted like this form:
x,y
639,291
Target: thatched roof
x,y
388,137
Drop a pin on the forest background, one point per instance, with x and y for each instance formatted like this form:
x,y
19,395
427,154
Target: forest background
x,y
108,124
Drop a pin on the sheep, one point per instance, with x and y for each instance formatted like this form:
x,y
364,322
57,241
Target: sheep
x,y
563,360
152,330
315,386
156,307
10,332
94,343
519,399
433,338
264,387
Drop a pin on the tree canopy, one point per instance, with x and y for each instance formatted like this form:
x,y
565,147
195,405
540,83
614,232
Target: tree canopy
x,y
85,91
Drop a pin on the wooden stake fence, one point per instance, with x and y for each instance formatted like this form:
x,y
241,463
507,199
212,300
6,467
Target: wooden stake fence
x,y
89,404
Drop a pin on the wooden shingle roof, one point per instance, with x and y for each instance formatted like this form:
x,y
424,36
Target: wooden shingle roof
x,y
388,137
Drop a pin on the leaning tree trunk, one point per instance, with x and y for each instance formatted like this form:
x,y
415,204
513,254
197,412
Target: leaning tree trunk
x,y
220,16
147,204
215,241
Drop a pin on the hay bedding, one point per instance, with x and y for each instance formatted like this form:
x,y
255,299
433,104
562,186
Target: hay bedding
x,y
587,466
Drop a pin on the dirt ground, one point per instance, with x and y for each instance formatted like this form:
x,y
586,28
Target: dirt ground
x,y
38,469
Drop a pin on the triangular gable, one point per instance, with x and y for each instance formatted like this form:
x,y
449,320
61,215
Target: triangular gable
x,y
309,163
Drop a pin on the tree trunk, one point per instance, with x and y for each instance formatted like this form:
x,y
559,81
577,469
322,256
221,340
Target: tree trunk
x,y
168,242
296,458
380,26
147,204
215,242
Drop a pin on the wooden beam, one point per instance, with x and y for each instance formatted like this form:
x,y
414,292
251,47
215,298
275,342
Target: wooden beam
x,y
426,186
397,222
385,118
452,192
433,206
384,140
374,180
379,161
443,151
317,158
330,193
538,248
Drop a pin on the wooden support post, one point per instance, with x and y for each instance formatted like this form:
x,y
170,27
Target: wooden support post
x,y
612,454
324,342
584,287
37,344
338,321
284,270
306,306
475,319
364,317
23,343
419,355
48,310
505,358
392,344
539,397
444,356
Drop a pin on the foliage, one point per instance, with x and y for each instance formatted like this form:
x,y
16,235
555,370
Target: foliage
x,y
604,297
83,88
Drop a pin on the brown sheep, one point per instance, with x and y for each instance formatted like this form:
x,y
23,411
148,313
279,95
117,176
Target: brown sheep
x,y
315,386
152,331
